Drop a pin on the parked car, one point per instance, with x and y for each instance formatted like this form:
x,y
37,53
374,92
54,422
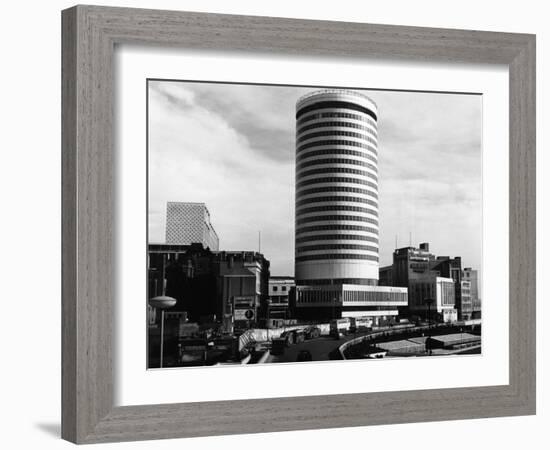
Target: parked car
x,y
288,337
299,336
312,332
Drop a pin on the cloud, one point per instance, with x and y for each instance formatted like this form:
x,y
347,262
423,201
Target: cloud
x,y
262,116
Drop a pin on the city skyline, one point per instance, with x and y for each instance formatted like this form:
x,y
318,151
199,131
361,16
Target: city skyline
x,y
232,148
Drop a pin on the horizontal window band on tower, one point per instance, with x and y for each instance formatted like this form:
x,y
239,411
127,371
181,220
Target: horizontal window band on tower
x,y
332,281
335,104
336,208
327,256
351,162
337,188
337,237
335,218
336,227
332,142
302,183
331,133
337,170
311,248
308,201
343,124
337,115
335,152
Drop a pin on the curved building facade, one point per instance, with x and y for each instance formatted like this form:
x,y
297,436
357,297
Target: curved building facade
x,y
336,189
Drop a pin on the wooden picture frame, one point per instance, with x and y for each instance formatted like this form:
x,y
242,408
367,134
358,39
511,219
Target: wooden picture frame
x,y
89,37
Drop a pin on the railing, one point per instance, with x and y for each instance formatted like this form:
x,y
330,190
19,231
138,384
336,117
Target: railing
x,y
246,339
396,329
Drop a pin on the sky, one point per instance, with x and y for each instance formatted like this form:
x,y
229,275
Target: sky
x,y
232,147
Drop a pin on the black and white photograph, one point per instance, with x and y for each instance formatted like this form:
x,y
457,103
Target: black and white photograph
x,y
275,225
290,224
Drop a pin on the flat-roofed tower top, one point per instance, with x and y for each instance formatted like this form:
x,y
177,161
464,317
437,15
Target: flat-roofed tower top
x,y
337,95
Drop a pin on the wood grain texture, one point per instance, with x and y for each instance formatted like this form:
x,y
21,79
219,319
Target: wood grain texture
x,y
89,36
68,226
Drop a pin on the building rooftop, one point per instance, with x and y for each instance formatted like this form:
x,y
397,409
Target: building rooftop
x,y
447,339
335,91
396,345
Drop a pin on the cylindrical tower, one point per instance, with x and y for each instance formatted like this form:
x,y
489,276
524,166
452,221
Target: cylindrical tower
x,y
336,189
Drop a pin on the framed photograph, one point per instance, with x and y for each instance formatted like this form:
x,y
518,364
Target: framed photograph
x,y
316,224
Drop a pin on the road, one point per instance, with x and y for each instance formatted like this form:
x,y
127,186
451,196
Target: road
x,y
319,348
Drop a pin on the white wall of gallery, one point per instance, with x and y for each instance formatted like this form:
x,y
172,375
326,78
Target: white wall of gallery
x,y
31,208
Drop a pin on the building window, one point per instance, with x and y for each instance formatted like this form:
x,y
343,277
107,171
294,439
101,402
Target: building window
x,y
360,181
340,246
352,134
336,256
344,124
332,189
275,289
336,217
326,170
332,142
335,104
352,162
337,237
337,115
336,227
338,198
337,208
283,288
336,152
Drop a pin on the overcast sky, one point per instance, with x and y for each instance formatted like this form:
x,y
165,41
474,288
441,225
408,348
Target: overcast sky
x,y
232,147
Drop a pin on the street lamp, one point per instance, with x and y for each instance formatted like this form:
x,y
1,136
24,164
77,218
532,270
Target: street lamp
x,y
162,302
429,302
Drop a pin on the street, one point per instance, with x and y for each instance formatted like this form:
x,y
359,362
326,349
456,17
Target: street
x,y
319,348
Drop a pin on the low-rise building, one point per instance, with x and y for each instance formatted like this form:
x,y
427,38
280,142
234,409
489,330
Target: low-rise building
x,y
228,288
279,290
417,269
433,298
471,275
323,302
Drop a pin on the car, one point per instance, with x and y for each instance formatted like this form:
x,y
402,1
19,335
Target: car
x,y
304,355
288,336
312,332
299,336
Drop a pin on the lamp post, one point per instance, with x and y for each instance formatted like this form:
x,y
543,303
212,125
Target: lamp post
x,y
162,302
429,302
